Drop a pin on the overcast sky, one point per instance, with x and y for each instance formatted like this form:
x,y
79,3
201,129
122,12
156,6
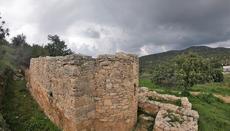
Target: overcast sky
x,y
142,27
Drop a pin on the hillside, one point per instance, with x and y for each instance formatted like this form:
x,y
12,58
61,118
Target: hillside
x,y
18,110
220,53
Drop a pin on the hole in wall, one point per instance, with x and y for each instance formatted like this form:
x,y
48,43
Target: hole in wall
x,y
50,93
135,88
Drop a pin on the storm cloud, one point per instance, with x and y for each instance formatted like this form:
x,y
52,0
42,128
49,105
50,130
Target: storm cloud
x,y
143,27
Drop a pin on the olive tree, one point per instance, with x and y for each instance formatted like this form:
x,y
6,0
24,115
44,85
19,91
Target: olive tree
x,y
187,70
192,69
57,47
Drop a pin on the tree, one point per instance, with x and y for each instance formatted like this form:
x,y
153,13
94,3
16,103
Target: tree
x,y
22,50
19,40
3,31
38,50
192,69
23,55
57,47
186,70
217,70
164,74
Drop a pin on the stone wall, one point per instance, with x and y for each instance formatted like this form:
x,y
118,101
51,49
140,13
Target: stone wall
x,y
171,113
116,81
82,93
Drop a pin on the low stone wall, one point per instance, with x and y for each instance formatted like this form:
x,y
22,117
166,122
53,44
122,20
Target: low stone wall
x,y
168,117
145,93
82,93
175,121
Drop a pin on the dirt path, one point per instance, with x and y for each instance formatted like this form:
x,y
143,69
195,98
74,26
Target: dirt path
x,y
226,99
195,93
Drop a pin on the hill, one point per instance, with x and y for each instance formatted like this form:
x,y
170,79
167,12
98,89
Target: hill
x,y
221,54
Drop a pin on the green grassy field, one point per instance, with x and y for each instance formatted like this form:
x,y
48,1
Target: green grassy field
x,y
214,114
222,88
21,112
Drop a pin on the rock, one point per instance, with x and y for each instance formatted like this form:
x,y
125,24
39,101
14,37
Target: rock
x,y
145,123
108,103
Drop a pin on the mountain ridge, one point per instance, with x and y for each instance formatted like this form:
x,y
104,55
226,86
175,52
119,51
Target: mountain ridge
x,y
221,54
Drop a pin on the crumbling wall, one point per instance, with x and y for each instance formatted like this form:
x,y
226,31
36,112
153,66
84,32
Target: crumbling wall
x,y
82,93
168,115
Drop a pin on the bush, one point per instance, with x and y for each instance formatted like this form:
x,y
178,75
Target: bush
x,y
185,93
217,76
38,50
209,98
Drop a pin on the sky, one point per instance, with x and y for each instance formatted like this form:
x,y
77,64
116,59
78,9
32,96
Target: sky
x,y
142,27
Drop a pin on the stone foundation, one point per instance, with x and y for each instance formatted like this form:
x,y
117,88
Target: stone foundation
x,y
82,93
168,115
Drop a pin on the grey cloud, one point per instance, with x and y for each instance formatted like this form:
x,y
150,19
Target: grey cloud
x,y
91,33
153,24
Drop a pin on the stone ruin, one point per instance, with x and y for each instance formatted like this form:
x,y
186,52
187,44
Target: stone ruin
x,y
162,112
81,93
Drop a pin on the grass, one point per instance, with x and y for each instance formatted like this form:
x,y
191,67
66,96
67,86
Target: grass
x,y
21,112
214,114
177,102
222,88
163,90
